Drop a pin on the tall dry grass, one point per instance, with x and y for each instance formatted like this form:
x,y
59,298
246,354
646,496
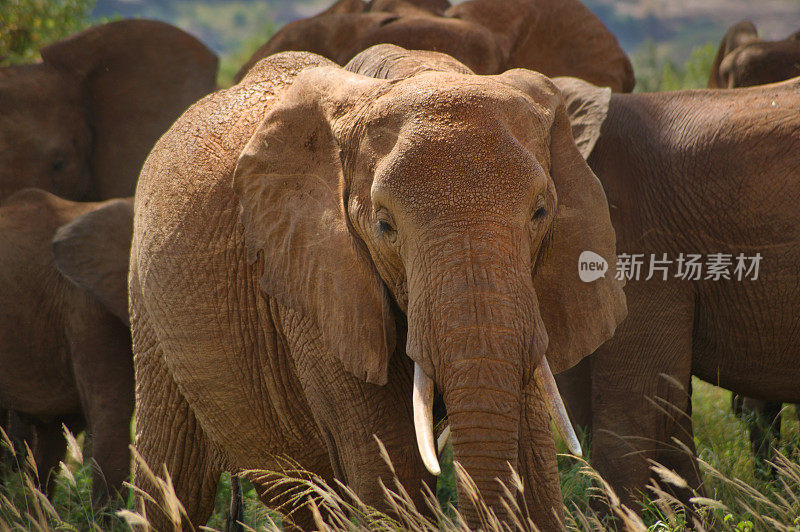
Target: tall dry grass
x,y
734,500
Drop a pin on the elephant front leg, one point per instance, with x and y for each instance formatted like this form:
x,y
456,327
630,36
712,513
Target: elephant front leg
x,y
641,393
764,423
351,414
168,436
49,448
103,368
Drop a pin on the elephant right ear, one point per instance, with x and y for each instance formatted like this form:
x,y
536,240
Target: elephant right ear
x,y
587,108
93,252
292,193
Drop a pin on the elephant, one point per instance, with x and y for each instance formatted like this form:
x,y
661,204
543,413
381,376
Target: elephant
x,y
65,347
744,60
80,123
318,253
554,37
706,172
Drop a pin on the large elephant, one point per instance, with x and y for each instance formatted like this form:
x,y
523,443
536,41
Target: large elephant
x,y
712,173
80,123
554,37
743,59
313,245
65,348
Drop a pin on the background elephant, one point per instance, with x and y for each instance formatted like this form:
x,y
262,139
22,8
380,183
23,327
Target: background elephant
x,y
65,348
372,244
80,123
744,60
690,172
554,37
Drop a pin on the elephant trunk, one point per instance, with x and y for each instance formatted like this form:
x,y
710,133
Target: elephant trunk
x,y
473,332
484,424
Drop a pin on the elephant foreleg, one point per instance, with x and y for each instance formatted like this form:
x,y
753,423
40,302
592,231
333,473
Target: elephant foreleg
x,y
48,450
236,509
103,368
169,436
351,414
640,388
764,424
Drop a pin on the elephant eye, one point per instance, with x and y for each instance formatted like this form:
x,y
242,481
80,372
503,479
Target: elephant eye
x,y
540,211
386,227
58,165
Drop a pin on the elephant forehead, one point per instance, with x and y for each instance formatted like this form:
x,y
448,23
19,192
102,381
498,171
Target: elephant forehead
x,y
767,54
442,104
445,171
449,92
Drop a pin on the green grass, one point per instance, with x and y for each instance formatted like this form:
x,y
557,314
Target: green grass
x,y
737,499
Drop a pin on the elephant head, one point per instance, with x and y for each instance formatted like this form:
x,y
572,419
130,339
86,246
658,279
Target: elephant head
x,y
448,205
80,123
744,60
555,37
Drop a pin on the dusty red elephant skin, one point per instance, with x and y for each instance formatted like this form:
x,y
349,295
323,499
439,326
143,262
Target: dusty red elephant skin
x,y
554,37
258,329
692,172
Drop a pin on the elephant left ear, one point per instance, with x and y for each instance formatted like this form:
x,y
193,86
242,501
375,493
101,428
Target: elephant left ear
x,y
93,251
579,314
291,189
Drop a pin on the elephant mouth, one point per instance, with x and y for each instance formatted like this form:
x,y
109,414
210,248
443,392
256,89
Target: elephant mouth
x,y
422,400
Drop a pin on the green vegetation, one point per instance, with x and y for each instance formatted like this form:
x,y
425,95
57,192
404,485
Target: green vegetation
x,y
235,29
655,71
28,25
735,500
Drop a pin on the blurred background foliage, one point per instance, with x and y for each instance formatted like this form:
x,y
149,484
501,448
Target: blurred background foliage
x,y
28,25
656,71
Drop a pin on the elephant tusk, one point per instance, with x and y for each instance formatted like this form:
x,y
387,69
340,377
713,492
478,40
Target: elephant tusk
x,y
441,441
422,398
555,405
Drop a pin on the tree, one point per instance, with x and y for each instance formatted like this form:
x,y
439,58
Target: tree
x,y
28,25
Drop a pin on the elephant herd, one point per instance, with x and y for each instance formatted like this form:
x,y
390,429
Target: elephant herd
x,y
392,207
